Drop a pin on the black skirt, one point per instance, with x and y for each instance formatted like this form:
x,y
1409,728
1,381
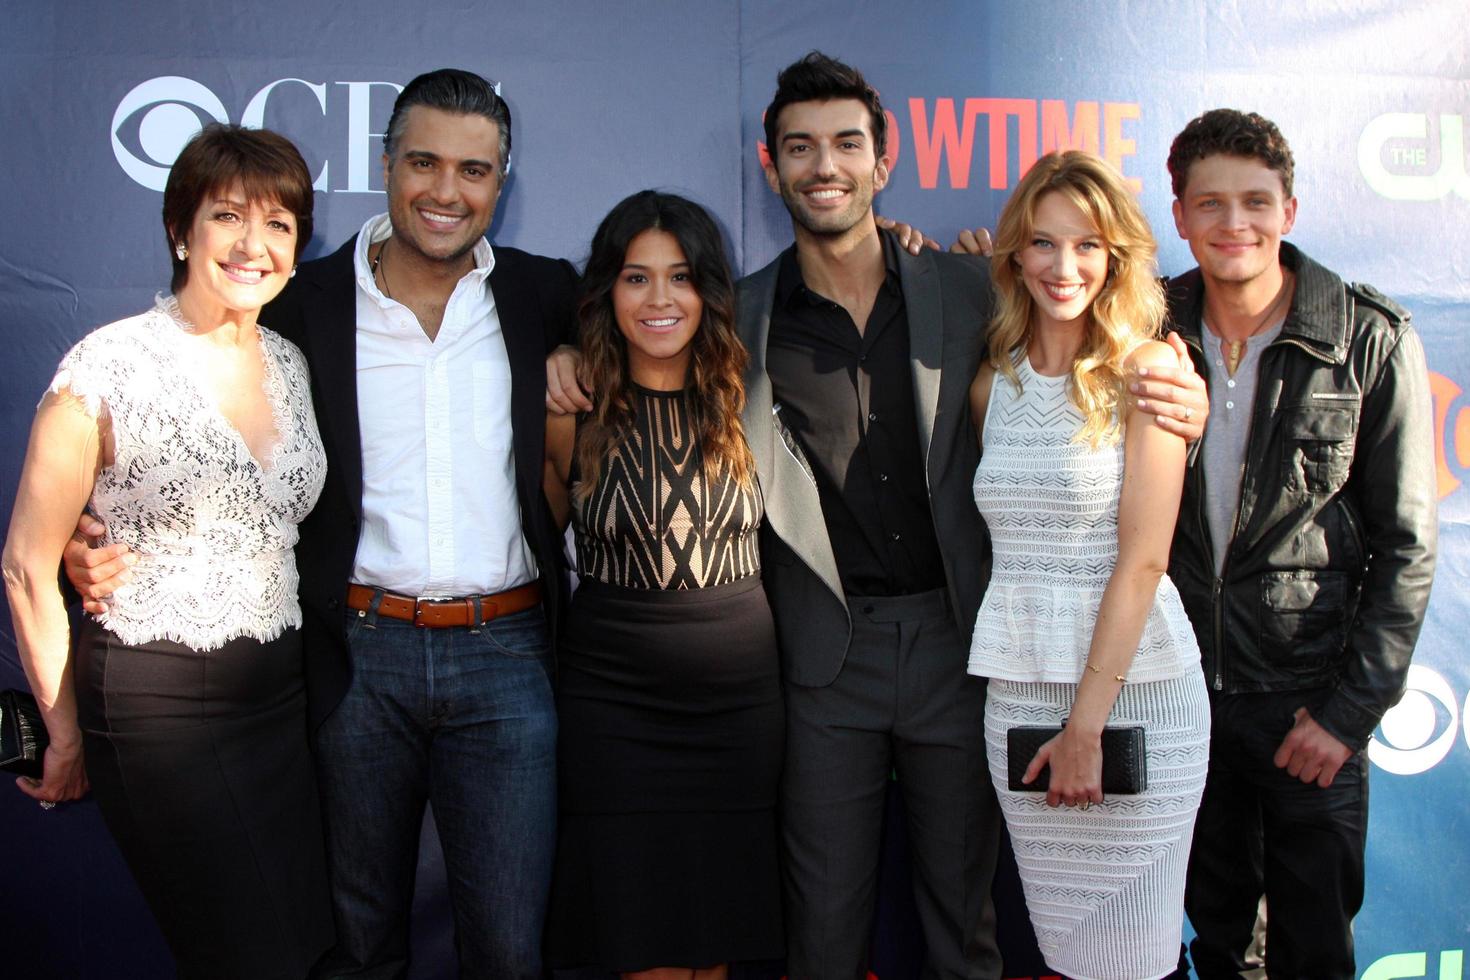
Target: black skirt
x,y
200,764
670,745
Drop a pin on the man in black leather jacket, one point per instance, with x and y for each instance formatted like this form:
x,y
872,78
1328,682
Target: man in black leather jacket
x,y
1304,551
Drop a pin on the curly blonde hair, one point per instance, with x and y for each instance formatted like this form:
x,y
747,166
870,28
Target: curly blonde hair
x,y
1128,311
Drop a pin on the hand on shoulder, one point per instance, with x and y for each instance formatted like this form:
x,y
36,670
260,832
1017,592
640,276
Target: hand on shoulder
x,y
1161,378
1150,354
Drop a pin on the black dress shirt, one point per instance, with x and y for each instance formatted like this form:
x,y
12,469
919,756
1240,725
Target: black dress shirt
x,y
848,398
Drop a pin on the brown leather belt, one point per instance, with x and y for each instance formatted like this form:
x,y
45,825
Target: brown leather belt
x,y
436,613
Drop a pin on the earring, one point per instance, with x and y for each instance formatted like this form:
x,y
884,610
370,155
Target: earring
x,y
293,272
182,251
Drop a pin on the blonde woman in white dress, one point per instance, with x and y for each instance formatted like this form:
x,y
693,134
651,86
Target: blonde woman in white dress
x,y
1080,625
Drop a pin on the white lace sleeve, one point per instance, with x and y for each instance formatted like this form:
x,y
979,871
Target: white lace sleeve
x,y
84,375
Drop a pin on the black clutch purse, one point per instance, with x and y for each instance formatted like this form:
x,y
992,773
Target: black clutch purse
x,y
1124,768
23,737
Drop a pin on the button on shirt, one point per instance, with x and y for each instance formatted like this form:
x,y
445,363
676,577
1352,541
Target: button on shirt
x,y
439,506
1232,404
848,398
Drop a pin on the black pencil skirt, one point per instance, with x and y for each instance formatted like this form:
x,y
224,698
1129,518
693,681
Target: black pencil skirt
x,y
670,752
200,765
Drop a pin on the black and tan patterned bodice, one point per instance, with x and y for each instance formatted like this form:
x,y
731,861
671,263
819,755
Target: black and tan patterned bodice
x,y
653,521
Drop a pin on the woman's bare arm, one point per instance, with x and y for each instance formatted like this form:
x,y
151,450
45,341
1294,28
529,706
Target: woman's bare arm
x,y
561,436
1153,479
56,480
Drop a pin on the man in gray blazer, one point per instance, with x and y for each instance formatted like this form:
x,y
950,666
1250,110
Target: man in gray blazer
x,y
873,554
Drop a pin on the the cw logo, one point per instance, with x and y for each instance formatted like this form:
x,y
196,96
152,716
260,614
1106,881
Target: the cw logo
x,y
1405,135
1451,435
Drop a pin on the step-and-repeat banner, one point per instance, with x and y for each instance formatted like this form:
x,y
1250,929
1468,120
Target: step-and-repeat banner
x,y
611,98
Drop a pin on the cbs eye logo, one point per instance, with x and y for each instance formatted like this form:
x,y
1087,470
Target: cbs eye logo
x,y
1419,731
173,107
157,117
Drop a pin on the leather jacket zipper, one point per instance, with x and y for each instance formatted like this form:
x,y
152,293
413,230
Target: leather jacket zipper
x,y
1359,538
1217,591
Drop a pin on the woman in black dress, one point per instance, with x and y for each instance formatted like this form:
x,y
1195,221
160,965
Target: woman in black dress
x,y
669,698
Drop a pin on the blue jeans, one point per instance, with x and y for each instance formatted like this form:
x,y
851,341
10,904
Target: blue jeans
x,y
466,721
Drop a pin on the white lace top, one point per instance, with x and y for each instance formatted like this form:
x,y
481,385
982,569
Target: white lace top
x,y
212,528
1051,505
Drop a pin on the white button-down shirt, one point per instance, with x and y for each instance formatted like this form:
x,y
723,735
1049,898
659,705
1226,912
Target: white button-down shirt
x,y
439,509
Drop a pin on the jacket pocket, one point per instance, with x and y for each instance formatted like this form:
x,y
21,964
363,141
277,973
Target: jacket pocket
x,y
1318,443
1303,623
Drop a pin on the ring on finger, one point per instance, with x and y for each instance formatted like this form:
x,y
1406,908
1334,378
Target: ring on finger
x,y
47,805
1188,413
1086,804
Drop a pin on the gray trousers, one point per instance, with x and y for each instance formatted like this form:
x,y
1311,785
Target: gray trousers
x,y
902,703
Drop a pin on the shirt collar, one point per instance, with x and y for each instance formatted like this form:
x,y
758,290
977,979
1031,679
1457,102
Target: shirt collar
x,y
379,228
790,283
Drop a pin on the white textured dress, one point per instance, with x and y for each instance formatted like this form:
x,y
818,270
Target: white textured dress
x,y
1104,886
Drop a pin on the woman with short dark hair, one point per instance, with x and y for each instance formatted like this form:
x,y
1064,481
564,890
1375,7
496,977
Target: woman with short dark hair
x,y
189,431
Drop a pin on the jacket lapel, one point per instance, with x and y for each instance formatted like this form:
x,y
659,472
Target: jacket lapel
x,y
793,507
525,348
329,311
925,310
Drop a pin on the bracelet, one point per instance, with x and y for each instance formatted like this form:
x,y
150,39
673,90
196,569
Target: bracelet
x,y
1120,678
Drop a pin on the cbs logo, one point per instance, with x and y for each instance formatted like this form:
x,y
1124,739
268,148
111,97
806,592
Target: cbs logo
x,y
157,117
1419,731
1403,137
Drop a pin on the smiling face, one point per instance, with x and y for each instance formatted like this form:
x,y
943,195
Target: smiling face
x,y
825,166
443,182
241,254
657,309
1234,212
1065,263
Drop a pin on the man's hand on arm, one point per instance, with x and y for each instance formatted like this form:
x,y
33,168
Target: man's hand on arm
x,y
1311,753
95,573
909,237
564,394
973,242
1175,397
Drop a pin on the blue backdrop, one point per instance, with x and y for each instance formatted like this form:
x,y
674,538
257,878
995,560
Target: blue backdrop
x,y
611,98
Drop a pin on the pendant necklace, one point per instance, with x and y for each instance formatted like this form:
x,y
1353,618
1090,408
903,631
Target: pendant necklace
x,y
377,262
1234,350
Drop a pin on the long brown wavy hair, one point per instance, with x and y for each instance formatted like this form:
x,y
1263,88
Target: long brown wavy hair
x,y
1128,311
717,365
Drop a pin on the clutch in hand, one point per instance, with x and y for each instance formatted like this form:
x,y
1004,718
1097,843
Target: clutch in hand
x,y
23,737
1124,767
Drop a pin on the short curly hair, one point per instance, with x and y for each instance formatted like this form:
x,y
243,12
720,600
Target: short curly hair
x,y
1232,133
